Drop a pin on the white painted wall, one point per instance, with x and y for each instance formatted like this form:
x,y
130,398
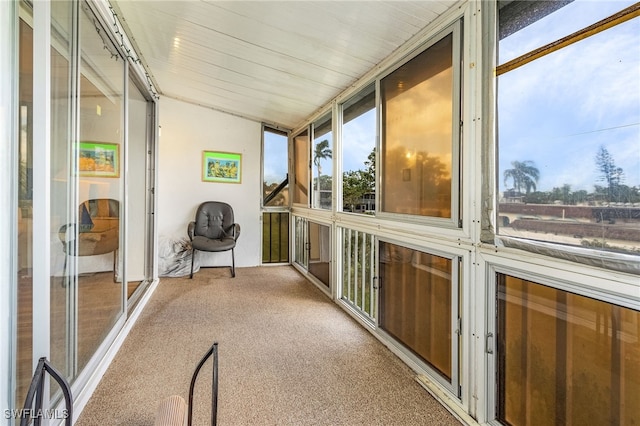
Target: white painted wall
x,y
186,131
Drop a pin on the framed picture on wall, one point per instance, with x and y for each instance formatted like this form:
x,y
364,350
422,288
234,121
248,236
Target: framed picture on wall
x,y
223,167
99,159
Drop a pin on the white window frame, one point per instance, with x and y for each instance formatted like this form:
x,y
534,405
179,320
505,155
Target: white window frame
x,y
456,220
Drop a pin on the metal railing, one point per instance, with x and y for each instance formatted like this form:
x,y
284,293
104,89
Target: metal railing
x,y
275,237
359,280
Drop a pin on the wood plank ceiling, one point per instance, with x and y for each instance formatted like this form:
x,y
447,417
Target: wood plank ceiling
x,y
271,61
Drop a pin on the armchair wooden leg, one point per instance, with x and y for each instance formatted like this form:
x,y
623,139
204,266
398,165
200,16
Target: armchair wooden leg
x,y
193,256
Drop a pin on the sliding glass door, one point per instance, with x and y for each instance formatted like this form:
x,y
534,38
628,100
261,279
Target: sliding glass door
x,y
100,179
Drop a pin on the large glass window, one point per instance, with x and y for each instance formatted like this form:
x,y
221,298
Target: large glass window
x,y
358,152
322,153
565,358
568,123
419,149
416,303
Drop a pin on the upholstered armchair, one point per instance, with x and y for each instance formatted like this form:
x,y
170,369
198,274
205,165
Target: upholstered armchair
x,y
214,230
97,231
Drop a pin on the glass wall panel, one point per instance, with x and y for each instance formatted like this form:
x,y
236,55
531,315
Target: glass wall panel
x,y
63,181
301,168
569,158
565,358
25,205
416,303
322,164
358,152
100,212
417,134
320,251
138,196
275,185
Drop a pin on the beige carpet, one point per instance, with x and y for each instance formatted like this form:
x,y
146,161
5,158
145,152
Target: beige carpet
x,y
288,356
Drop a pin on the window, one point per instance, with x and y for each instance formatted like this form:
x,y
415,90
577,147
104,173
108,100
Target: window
x,y
319,246
565,358
569,124
275,179
301,168
322,155
420,136
358,152
416,305
275,196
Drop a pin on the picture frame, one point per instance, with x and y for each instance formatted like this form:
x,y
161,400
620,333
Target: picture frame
x,y
99,159
224,167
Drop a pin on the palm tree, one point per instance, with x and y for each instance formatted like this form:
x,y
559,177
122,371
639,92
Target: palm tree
x,y
322,151
525,175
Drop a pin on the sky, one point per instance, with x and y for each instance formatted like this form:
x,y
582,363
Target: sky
x,y
275,157
359,136
556,111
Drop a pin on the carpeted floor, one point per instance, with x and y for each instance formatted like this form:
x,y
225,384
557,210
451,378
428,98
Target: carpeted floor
x,y
288,356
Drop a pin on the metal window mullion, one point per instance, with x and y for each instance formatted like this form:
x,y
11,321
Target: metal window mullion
x,y
346,233
73,190
9,99
372,277
363,274
356,252
41,182
457,128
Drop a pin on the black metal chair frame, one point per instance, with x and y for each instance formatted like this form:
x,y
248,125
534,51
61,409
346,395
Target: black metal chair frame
x,y
212,352
36,390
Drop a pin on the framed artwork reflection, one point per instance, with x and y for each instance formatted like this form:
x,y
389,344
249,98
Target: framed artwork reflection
x,y
99,159
223,167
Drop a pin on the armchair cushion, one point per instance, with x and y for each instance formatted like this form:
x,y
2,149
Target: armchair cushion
x,y
206,244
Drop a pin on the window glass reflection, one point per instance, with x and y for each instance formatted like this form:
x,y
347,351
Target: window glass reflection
x,y
565,358
417,148
301,168
358,153
569,158
415,302
100,209
322,155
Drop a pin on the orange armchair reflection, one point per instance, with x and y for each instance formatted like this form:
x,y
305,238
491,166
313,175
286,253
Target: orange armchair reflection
x,y
97,231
